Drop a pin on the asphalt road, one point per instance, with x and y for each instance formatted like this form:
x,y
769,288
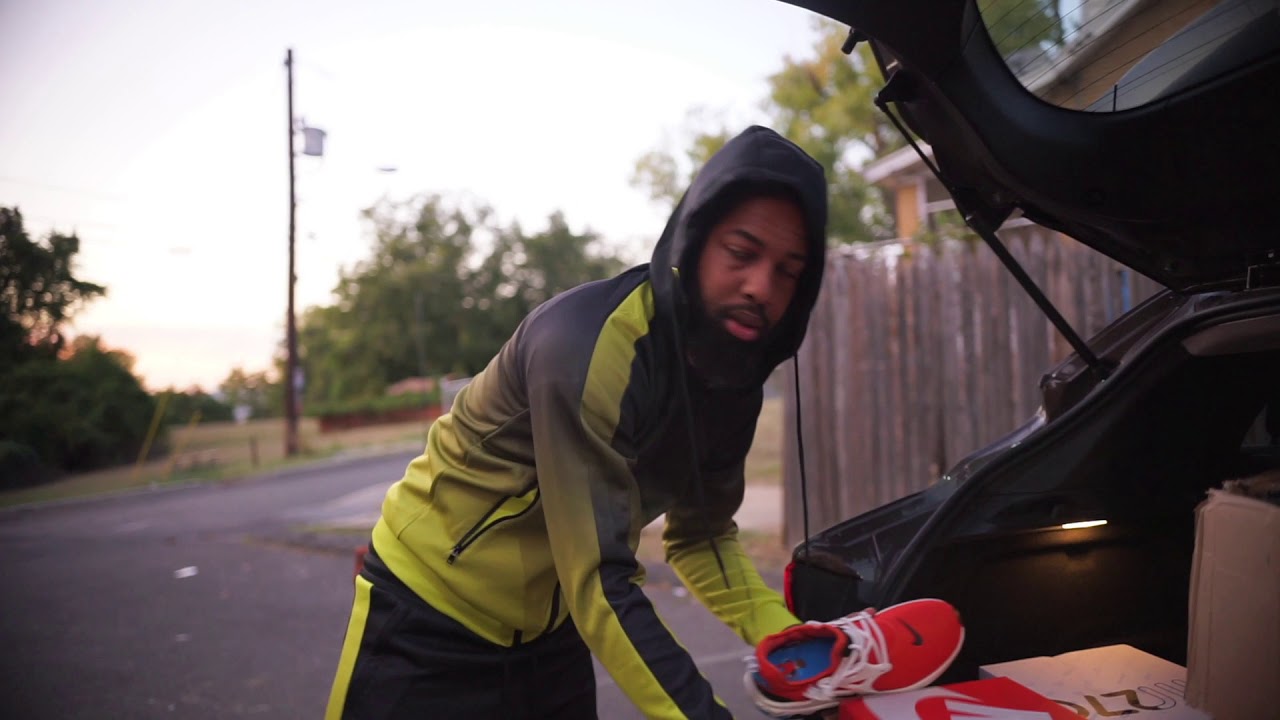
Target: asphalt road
x,y
213,602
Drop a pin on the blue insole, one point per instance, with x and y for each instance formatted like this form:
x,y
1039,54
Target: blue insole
x,y
803,660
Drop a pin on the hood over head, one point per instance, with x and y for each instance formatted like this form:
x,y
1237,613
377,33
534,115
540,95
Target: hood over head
x,y
756,157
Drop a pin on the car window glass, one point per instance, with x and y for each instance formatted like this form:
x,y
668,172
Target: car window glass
x,y
1113,55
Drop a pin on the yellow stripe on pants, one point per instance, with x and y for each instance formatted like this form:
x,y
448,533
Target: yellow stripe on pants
x,y
350,649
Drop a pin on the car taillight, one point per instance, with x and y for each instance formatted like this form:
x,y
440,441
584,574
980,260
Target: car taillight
x,y
786,586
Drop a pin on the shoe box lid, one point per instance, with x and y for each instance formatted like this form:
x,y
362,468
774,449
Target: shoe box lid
x,y
1105,682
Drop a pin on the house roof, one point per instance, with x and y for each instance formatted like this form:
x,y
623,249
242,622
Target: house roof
x,y
897,163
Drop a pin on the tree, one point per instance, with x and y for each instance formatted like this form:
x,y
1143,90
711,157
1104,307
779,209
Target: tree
x,y
405,311
258,391
442,289
823,103
1019,26
82,411
665,175
182,407
523,271
38,292
63,405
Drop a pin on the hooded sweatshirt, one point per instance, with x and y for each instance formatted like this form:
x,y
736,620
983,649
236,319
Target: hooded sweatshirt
x,y
526,507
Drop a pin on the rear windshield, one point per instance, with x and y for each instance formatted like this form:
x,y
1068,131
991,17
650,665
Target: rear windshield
x,y
1113,55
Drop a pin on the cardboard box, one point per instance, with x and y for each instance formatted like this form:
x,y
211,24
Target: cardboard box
x,y
1233,637
992,698
1106,682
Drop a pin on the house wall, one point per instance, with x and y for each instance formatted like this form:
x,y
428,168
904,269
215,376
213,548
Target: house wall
x,y
1122,47
907,205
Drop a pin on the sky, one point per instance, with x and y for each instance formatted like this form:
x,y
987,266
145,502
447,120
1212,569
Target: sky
x,y
157,131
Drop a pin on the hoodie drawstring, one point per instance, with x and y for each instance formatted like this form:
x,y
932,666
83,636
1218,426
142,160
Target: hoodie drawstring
x,y
804,485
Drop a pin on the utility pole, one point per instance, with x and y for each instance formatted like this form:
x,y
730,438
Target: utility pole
x,y
291,328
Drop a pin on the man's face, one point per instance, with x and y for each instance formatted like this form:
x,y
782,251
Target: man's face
x,y
750,266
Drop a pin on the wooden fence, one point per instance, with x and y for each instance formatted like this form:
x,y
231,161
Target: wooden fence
x,y
918,355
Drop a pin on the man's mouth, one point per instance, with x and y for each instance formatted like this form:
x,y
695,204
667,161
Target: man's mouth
x,y
744,325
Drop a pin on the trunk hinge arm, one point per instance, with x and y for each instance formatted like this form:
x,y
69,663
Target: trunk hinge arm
x,y
988,235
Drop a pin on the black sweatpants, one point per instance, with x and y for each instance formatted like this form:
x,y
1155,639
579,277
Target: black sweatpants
x,y
403,658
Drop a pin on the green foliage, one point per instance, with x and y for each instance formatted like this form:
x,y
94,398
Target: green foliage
x,y
38,292
82,412
664,176
444,286
181,407
63,406
823,103
1017,25
258,391
21,466
379,404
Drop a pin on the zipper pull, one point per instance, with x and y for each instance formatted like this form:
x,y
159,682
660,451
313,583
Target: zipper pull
x,y
457,550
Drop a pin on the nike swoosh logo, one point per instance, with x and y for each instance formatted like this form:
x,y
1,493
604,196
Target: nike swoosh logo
x,y
916,638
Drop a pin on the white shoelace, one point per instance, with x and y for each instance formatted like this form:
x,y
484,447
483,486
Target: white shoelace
x,y
853,676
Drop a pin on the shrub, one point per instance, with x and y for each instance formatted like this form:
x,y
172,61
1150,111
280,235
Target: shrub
x,y
79,413
20,466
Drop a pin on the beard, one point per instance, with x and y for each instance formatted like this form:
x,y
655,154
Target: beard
x,y
720,359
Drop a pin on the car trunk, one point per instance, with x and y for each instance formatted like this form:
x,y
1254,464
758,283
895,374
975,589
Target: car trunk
x,y
1142,420
1139,453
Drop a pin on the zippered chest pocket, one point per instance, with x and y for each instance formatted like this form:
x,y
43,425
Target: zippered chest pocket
x,y
507,509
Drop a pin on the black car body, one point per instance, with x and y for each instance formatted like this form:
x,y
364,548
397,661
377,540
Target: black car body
x,y
1174,170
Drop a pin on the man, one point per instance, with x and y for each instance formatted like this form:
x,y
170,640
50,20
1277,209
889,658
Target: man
x,y
505,557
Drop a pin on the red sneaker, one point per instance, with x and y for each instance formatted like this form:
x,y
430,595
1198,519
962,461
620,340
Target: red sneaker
x,y
816,665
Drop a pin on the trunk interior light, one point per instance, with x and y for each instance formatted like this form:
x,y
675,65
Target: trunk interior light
x,y
1083,524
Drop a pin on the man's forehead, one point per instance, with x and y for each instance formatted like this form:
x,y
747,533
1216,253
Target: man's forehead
x,y
770,217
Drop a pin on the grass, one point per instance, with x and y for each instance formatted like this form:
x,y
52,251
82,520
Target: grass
x,y
223,451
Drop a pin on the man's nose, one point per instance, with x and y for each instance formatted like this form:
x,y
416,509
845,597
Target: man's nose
x,y
758,284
